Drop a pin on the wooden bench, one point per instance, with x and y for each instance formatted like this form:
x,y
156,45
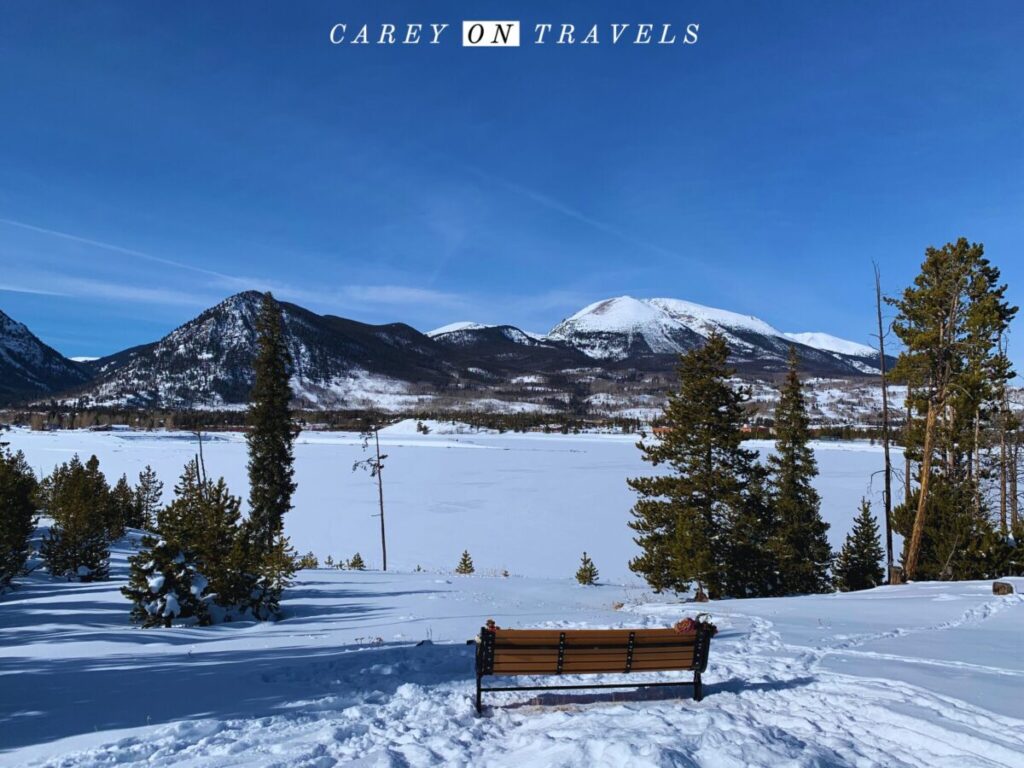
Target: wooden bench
x,y
509,652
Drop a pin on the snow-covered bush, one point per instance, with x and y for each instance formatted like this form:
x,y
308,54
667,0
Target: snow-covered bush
x,y
165,587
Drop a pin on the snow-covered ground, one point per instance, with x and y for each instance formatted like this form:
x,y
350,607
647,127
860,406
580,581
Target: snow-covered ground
x,y
526,503
920,675
371,669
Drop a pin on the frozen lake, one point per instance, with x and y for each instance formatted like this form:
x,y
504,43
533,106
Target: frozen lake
x,y
528,503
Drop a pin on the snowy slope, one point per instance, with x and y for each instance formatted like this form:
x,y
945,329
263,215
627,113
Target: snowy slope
x,y
831,343
371,669
625,328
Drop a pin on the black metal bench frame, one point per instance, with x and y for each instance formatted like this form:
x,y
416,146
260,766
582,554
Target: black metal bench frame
x,y
485,647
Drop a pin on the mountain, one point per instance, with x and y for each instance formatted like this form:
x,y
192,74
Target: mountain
x,y
29,368
207,361
643,332
616,355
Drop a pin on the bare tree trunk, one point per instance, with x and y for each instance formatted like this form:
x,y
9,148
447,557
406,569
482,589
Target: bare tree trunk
x,y
906,454
1002,474
885,429
1014,453
922,500
975,462
380,496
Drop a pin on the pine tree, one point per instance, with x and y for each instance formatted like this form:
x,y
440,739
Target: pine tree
x,y
123,509
802,547
76,496
17,513
356,563
308,560
203,520
148,496
857,566
164,586
271,433
951,322
751,565
261,575
682,515
465,566
587,572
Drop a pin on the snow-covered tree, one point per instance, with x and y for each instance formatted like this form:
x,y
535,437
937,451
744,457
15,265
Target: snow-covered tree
x,y
587,572
165,586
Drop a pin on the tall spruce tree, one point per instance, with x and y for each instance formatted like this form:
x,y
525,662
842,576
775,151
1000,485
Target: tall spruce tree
x,y
17,513
271,432
682,516
801,543
857,565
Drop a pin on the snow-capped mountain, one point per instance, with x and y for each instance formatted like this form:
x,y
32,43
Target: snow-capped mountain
x,y
29,368
625,329
619,353
207,362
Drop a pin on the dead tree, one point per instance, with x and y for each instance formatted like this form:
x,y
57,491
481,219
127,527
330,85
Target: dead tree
x,y
885,428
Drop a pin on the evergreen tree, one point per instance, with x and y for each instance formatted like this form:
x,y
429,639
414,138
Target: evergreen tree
x,y
148,496
261,575
76,496
203,520
802,547
587,572
123,509
857,566
356,563
17,513
751,568
465,566
271,433
308,560
164,586
682,516
951,322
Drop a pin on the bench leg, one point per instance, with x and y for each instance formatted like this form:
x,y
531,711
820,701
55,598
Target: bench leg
x,y
698,688
479,707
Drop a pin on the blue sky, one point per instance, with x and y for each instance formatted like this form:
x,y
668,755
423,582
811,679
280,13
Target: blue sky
x,y
158,157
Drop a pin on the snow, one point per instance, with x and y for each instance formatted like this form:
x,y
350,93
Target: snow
x,y
830,343
372,669
464,325
452,489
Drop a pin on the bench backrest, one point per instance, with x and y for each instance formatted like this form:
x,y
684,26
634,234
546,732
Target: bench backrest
x,y
584,651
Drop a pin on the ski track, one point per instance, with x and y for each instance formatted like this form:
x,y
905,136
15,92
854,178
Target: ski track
x,y
767,704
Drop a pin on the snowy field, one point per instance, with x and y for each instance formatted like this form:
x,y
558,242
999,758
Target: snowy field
x,y
371,669
921,675
526,503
